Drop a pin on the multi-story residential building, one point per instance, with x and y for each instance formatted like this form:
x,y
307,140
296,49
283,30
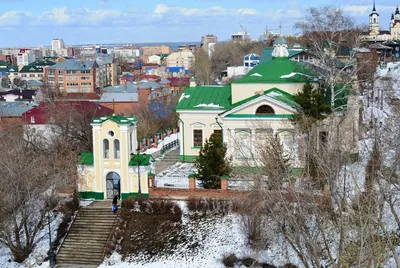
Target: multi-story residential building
x,y
240,37
127,52
206,40
72,76
25,57
181,58
58,45
192,48
106,72
154,50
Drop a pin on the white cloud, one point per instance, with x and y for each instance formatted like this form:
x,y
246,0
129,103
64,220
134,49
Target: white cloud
x,y
161,9
15,18
247,11
360,10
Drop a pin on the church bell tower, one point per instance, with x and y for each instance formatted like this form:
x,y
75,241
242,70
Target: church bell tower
x,y
374,21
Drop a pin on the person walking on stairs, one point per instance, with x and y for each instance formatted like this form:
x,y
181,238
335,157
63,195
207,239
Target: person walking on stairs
x,y
115,204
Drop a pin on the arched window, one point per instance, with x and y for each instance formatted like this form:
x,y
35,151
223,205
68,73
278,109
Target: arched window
x,y
374,20
265,109
116,149
106,148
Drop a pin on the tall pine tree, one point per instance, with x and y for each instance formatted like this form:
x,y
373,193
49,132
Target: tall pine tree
x,y
312,106
211,163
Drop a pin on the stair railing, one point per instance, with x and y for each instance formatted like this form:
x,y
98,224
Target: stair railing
x,y
169,146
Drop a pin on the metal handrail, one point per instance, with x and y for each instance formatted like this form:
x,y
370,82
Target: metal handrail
x,y
170,146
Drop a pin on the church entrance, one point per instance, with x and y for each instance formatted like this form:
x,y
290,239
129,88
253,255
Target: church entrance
x,y
113,184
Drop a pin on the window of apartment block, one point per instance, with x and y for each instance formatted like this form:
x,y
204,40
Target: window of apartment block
x,y
86,84
40,75
72,78
60,72
52,79
197,137
71,72
60,79
72,84
51,72
23,75
85,72
32,75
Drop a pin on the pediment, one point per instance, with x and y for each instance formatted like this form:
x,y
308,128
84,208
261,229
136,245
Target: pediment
x,y
275,99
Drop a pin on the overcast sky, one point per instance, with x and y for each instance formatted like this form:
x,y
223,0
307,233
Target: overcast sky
x,y
36,22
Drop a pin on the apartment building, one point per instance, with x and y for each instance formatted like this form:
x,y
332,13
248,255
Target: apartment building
x,y
25,56
106,72
72,76
154,50
34,71
181,58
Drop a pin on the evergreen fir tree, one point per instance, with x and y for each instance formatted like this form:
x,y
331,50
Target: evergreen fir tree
x,y
312,106
211,163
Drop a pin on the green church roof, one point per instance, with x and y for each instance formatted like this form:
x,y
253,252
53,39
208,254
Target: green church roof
x,y
266,53
144,160
86,159
205,98
274,93
278,70
119,119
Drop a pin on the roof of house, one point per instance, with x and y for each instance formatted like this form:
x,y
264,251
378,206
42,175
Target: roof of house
x,y
164,81
42,112
22,94
119,119
205,98
31,69
119,97
15,108
128,87
150,84
34,83
42,63
76,96
179,81
175,69
278,70
74,65
3,63
102,59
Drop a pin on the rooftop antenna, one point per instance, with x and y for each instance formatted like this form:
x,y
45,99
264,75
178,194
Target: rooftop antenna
x,y
280,28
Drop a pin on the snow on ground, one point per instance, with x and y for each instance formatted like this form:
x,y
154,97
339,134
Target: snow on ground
x,y
177,176
161,143
35,259
216,236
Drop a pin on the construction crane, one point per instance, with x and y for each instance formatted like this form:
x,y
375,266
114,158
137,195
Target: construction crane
x,y
245,36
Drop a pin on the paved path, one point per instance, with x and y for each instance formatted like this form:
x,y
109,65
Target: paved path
x,y
169,159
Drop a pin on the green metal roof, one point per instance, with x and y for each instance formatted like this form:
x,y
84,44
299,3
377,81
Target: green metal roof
x,y
278,70
259,116
141,160
274,93
119,119
86,159
266,53
205,98
31,69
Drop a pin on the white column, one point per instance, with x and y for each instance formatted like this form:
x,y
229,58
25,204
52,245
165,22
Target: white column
x,y
180,138
225,136
232,142
253,141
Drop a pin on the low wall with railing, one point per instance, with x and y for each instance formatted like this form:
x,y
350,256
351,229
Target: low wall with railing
x,y
160,142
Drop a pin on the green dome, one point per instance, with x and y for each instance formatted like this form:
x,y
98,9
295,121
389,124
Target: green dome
x,y
278,70
280,41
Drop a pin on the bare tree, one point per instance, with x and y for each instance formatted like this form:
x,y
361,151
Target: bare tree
x,y
30,174
203,68
330,35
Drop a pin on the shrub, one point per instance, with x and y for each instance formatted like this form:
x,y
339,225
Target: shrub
x,y
128,203
248,261
230,260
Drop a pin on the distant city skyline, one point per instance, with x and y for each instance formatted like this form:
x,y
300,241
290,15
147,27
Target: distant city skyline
x,y
36,23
